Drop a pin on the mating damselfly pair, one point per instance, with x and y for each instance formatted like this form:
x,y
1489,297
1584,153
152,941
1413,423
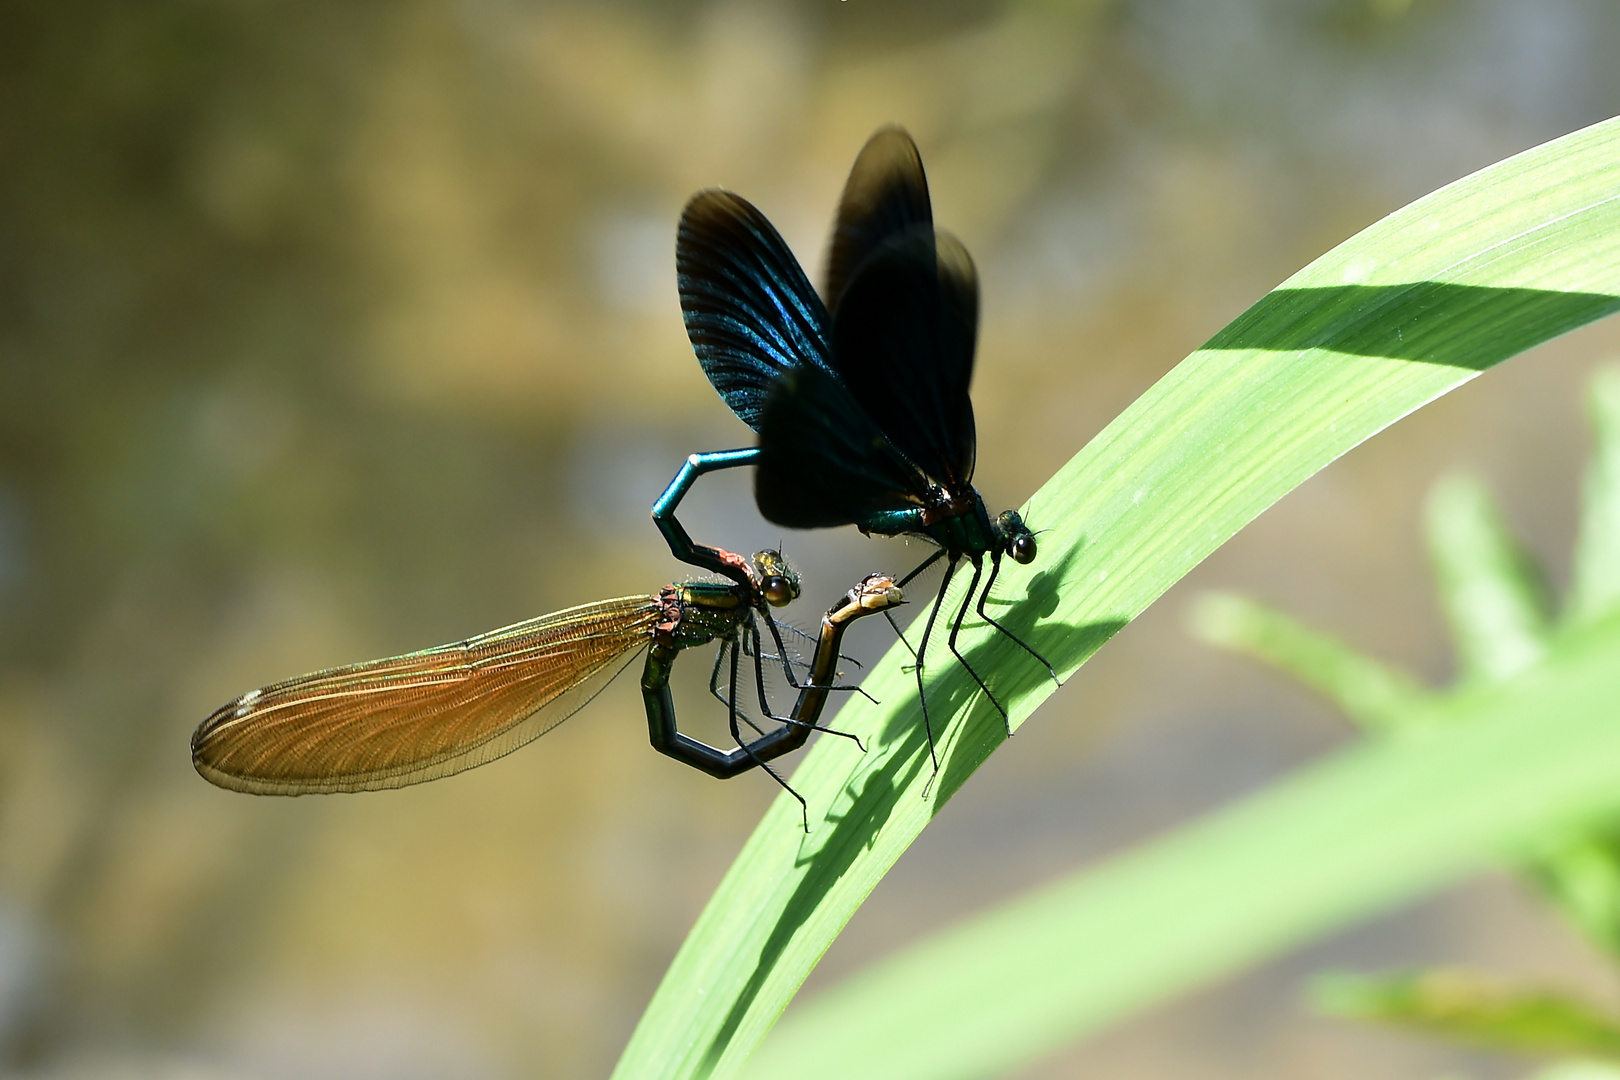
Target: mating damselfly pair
x,y
859,397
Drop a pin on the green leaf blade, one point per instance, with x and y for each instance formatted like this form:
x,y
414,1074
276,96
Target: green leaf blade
x,y
1209,447
1371,826
1470,1007
1374,695
1493,594
1580,873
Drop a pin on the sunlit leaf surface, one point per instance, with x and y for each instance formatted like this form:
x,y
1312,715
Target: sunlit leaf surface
x,y
1495,771
1394,317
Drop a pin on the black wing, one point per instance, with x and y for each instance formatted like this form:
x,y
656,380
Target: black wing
x,y
903,343
823,462
886,194
749,310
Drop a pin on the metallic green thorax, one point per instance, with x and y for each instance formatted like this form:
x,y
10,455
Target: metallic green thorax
x,y
700,612
960,525
695,613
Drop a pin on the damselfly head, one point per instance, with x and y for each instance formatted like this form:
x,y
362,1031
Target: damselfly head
x,y
1019,539
778,582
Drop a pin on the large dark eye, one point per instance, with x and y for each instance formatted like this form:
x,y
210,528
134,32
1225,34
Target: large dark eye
x,y
778,593
1023,549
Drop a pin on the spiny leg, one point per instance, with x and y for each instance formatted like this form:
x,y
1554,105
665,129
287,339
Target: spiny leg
x,y
714,676
995,568
924,565
901,634
714,684
950,641
736,733
759,677
814,640
811,638
755,650
776,633
781,649
922,648
804,634
765,705
902,583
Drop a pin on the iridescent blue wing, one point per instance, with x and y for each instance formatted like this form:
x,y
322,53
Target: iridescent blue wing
x,y
823,461
903,342
886,194
749,310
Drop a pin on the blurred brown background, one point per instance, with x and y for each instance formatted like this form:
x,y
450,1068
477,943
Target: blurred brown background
x,y
333,329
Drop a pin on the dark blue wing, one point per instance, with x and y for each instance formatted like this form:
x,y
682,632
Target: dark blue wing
x,y
822,460
749,310
886,194
903,343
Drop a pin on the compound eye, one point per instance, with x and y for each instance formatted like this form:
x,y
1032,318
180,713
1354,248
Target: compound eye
x,y
778,593
1023,549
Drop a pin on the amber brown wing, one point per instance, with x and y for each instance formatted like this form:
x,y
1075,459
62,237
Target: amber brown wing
x,y
406,719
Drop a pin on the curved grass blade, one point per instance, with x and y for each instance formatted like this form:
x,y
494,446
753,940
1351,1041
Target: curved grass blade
x,y
1492,773
1471,1007
1492,592
1398,315
1375,695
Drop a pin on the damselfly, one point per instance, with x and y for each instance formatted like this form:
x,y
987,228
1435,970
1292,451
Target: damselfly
x,y
860,402
407,719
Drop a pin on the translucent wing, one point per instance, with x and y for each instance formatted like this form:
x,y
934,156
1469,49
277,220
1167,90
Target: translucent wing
x,y
406,719
749,310
903,343
886,194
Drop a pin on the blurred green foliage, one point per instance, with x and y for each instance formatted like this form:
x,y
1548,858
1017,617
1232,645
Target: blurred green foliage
x,y
1469,1007
1497,602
